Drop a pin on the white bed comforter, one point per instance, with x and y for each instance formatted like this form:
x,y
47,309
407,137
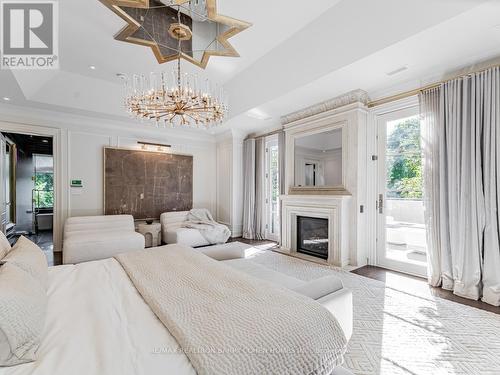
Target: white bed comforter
x,y
109,331
231,323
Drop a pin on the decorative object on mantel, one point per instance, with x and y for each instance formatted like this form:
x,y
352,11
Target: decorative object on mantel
x,y
175,30
146,183
355,96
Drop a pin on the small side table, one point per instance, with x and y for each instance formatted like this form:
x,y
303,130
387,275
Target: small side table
x,y
151,233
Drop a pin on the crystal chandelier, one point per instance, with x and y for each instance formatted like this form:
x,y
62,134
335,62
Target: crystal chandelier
x,y
176,99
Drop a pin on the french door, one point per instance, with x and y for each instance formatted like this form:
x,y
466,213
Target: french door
x,y
272,209
401,232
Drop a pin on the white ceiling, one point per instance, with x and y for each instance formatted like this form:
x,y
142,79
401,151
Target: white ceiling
x,y
293,56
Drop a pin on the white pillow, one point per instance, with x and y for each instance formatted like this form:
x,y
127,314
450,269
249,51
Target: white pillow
x,y
30,258
23,306
4,245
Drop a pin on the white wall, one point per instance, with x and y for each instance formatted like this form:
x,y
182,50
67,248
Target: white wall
x,y
230,181
86,163
82,140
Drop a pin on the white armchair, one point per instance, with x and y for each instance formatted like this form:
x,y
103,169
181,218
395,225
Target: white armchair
x,y
172,231
195,228
99,237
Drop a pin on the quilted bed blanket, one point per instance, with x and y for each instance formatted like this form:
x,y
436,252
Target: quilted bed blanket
x,y
227,322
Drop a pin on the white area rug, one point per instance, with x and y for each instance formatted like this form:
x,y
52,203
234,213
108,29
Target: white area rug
x,y
405,331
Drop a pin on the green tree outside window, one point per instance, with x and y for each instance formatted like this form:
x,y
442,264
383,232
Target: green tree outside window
x,y
44,190
404,161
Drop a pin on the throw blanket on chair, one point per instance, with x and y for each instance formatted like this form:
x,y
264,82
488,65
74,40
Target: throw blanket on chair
x,y
227,322
202,220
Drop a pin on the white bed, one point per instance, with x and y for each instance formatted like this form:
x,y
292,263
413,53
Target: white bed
x,y
97,323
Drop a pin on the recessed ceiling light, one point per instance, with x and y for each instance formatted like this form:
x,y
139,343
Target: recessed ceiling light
x,y
5,98
45,140
258,114
92,67
397,71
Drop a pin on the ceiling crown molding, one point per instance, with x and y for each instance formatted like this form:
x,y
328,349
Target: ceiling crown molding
x,y
355,96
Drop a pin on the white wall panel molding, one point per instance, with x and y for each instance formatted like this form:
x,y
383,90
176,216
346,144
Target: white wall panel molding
x,y
78,145
42,117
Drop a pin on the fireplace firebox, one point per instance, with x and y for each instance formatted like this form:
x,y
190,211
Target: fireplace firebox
x,y
312,236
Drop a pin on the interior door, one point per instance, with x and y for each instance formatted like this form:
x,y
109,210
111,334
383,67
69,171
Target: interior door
x,y
272,208
401,232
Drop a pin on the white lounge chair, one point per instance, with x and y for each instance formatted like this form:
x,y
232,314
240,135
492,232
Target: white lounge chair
x,y
99,237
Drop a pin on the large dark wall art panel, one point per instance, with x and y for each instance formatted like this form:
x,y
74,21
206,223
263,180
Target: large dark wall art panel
x,y
146,184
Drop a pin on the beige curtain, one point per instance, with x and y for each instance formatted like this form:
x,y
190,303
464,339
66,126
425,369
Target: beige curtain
x,y
489,86
260,186
249,189
461,146
254,159
282,165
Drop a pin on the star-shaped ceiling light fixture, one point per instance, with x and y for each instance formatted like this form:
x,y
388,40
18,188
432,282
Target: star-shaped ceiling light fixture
x,y
202,31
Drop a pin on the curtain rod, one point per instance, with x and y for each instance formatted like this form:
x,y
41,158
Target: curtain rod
x,y
407,94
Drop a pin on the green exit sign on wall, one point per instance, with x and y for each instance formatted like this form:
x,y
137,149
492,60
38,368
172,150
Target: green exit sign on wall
x,y
76,183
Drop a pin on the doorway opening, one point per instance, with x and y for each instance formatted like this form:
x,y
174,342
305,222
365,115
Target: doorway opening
x,y
27,170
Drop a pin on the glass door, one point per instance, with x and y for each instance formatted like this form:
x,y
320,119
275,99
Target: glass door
x,y
272,189
401,232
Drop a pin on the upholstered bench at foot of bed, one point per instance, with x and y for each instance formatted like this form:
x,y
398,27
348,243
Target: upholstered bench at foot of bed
x,y
99,237
184,236
228,251
329,291
221,252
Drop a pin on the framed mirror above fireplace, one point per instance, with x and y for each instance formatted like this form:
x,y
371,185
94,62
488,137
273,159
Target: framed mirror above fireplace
x,y
317,158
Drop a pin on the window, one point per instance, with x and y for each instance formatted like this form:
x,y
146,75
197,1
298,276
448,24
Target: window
x,y
43,194
272,189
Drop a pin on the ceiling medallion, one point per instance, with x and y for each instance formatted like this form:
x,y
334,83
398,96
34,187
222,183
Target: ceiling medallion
x,y
175,30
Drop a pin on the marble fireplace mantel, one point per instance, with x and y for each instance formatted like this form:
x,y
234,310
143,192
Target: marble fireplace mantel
x,y
333,208
344,205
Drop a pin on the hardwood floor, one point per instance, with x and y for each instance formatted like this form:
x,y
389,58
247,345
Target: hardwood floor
x,y
253,242
412,282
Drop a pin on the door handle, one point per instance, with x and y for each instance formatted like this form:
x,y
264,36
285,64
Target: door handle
x,y
381,203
